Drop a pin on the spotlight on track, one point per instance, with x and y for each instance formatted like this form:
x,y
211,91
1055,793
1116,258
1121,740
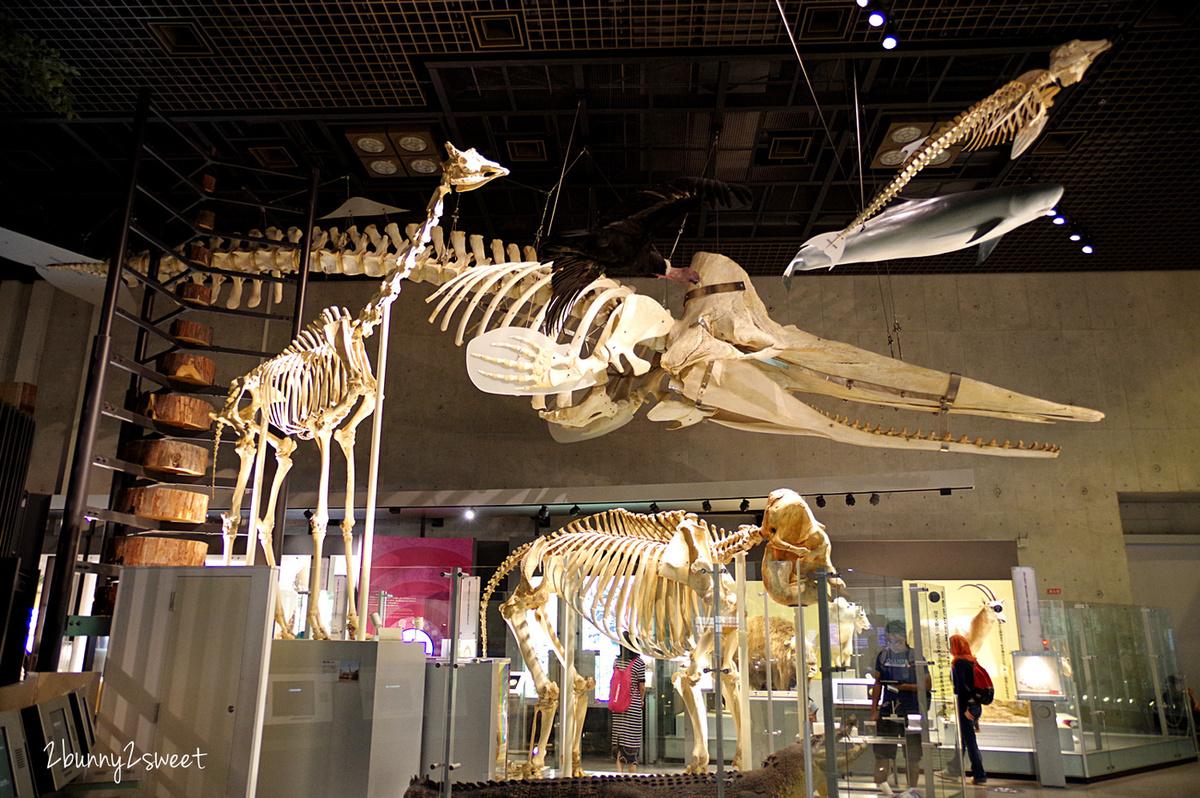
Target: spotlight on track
x,y
849,499
706,506
876,19
890,40
574,509
654,507
745,505
874,499
469,514
820,501
543,515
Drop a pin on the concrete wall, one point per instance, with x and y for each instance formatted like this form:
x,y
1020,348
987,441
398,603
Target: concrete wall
x,y
1122,343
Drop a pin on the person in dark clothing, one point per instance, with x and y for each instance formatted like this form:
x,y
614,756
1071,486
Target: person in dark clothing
x,y
962,673
894,697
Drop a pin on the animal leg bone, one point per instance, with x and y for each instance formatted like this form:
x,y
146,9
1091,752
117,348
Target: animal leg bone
x,y
345,436
318,524
283,464
513,611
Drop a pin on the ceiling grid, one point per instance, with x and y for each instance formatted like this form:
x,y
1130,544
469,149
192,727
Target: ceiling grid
x,y
642,86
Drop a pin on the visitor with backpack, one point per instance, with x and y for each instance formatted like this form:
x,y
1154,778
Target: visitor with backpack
x,y
972,689
627,702
894,696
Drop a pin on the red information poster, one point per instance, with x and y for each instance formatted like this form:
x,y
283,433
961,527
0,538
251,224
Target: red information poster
x,y
407,586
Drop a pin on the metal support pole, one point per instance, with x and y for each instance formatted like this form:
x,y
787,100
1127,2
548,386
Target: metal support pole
x,y
802,699
59,596
566,696
451,683
827,669
915,593
366,550
743,641
718,673
770,677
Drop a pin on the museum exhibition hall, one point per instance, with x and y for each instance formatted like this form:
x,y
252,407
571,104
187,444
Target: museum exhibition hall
x,y
548,398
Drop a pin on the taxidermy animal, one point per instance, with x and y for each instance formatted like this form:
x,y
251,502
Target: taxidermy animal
x,y
781,776
781,660
927,227
622,245
976,628
1015,112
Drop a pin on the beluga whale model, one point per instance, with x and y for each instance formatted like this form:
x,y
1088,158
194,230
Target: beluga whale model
x,y
922,228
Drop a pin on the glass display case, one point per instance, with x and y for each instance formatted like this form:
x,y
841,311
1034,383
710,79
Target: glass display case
x,y
1126,701
1119,698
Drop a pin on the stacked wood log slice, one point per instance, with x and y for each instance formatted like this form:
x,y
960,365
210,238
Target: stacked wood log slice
x,y
164,504
172,457
191,332
151,550
177,410
192,369
195,293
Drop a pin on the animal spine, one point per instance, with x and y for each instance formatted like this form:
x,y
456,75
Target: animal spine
x,y
1016,112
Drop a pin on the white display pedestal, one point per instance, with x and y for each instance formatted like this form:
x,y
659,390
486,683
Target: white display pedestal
x,y
185,675
343,718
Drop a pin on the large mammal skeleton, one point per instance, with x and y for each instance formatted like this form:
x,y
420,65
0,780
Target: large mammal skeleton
x,y
726,361
647,581
320,388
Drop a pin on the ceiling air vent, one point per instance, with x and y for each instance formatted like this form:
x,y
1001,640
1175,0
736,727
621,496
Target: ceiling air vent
x,y
825,23
180,37
273,157
1060,142
526,150
784,148
498,31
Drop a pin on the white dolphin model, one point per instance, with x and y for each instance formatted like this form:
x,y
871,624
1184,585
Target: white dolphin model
x,y
921,228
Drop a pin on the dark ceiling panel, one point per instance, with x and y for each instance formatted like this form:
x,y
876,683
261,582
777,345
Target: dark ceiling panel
x,y
618,95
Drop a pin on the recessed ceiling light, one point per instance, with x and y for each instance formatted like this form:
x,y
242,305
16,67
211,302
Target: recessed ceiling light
x,y
412,143
383,167
423,166
905,134
371,144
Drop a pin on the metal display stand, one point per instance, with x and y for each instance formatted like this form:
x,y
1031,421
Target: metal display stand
x,y
190,188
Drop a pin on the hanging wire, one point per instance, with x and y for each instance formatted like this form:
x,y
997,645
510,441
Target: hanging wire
x,y
858,140
892,327
712,151
811,89
557,191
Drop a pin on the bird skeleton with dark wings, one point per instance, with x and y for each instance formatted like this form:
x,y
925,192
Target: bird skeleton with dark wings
x,y
622,244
